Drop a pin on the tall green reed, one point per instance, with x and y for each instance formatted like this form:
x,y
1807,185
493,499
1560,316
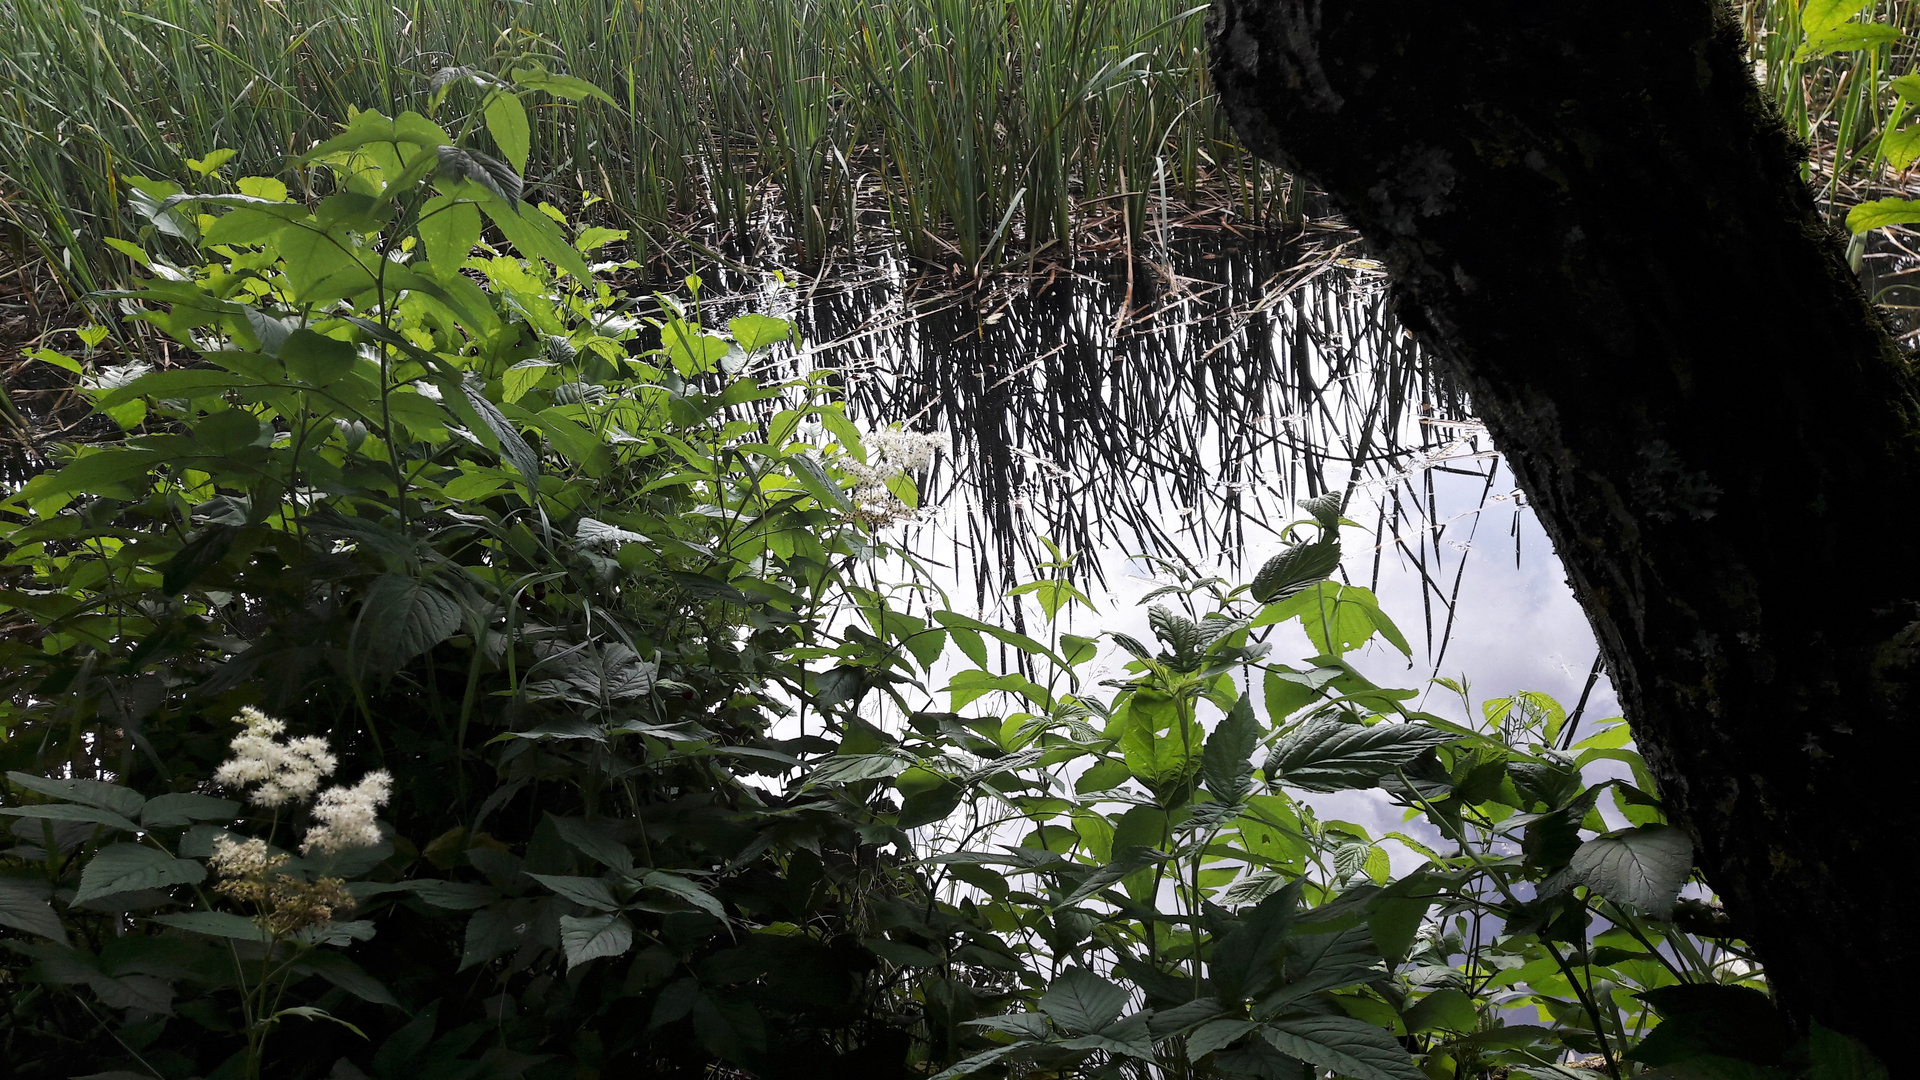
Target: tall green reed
x,y
972,127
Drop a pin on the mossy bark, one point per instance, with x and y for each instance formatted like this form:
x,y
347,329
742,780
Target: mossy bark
x,y
1591,213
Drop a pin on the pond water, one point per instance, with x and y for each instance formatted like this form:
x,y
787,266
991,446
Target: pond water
x,y
1180,412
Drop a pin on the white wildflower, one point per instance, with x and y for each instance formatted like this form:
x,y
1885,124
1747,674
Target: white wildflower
x,y
243,858
347,815
909,451
285,772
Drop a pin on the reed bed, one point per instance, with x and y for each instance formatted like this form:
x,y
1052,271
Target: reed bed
x,y
970,131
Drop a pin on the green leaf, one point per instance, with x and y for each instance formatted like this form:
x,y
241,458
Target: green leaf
x,y
591,892
1226,764
1840,1057
1642,868
1900,148
594,936
854,768
1216,1035
537,77
126,867
685,890
24,907
1349,1047
70,812
185,808
534,236
1820,16
1852,37
507,123
595,839
1082,1002
758,331
1446,1009
404,617
123,801
450,230
1246,958
345,974
1883,212
1296,568
1325,754
522,377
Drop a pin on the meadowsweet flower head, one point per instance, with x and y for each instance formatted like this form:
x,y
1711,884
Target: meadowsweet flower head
x,y
285,772
907,450
347,815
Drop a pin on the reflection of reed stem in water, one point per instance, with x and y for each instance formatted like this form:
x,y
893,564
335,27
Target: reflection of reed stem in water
x,y
1190,432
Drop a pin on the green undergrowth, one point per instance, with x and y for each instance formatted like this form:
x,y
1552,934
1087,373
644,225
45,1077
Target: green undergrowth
x,y
657,769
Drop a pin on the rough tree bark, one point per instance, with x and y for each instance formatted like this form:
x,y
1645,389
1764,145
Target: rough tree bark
x,y
1589,211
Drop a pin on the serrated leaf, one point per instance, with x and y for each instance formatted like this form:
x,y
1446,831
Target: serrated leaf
x,y
1324,754
345,974
454,895
71,812
758,331
492,175
1082,1002
404,617
853,768
1349,1047
685,890
125,867
123,801
1216,1035
216,924
1325,509
25,907
1882,212
591,892
1643,868
596,840
594,936
1226,763
507,123
1294,569
185,808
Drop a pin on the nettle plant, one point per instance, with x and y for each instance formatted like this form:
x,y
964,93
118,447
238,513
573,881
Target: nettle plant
x,y
415,487
1129,878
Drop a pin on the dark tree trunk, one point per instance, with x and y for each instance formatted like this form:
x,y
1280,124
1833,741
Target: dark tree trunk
x,y
1590,212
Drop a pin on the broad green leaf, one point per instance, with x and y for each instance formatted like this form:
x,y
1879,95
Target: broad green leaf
x,y
1851,37
537,77
1159,738
1820,16
522,377
758,331
185,808
854,768
1882,212
24,906
404,617
595,839
1082,1002
594,936
1840,1057
1642,868
685,890
591,892
71,812
1900,148
1446,1009
980,1061
1325,754
1216,1035
121,800
1349,1047
507,123
454,895
337,969
125,867
534,236
1226,763
449,229
1294,569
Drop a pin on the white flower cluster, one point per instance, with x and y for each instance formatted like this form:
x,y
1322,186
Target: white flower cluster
x,y
290,771
907,451
891,453
243,858
286,771
347,815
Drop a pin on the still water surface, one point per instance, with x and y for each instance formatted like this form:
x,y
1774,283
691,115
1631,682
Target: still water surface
x,y
1186,425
